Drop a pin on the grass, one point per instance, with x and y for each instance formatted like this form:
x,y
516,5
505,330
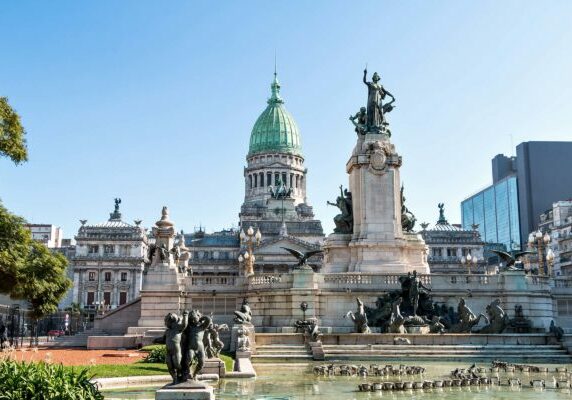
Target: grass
x,y
122,370
226,357
136,369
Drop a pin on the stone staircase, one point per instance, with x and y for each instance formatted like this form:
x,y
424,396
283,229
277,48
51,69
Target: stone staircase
x,y
534,353
79,340
275,353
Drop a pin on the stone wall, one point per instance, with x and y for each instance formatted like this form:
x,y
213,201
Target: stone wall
x,y
118,320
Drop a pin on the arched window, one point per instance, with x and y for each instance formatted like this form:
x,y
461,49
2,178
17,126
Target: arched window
x,y
269,179
255,180
284,179
276,178
261,178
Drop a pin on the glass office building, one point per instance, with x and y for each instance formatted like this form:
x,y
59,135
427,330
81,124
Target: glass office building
x,y
495,210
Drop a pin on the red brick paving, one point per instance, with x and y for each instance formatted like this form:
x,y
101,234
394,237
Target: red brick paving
x,y
76,356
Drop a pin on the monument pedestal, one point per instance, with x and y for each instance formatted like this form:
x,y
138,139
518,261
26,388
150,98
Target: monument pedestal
x,y
214,366
249,330
378,243
191,390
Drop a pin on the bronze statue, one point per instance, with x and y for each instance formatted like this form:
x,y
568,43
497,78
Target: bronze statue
x,y
396,320
175,326
244,316
467,320
498,319
359,318
344,221
302,257
192,344
281,192
415,288
212,342
360,121
375,121
407,218
512,261
117,203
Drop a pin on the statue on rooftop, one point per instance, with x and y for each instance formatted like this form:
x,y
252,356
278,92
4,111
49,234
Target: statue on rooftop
x,y
375,121
280,192
117,203
345,220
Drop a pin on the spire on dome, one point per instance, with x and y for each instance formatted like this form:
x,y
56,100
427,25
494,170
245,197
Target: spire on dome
x,y
275,87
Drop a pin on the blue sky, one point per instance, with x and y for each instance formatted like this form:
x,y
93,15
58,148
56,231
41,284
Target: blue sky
x,y
153,102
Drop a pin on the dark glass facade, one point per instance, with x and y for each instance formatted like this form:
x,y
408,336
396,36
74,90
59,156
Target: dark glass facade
x,y
495,210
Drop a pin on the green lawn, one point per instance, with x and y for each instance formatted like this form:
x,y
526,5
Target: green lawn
x,y
136,369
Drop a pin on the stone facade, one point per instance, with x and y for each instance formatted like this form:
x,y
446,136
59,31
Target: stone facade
x,y
108,263
449,245
557,222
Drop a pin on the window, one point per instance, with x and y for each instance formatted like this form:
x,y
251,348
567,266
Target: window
x,y
108,249
451,252
107,277
122,298
124,277
90,298
107,298
91,276
269,179
437,253
93,249
465,252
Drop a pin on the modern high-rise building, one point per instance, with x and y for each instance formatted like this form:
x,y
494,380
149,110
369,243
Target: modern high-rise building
x,y
48,234
524,186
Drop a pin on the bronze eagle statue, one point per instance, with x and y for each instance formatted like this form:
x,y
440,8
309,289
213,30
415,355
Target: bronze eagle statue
x,y
511,259
302,257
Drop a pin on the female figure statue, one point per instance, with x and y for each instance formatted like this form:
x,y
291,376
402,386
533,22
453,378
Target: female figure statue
x,y
375,94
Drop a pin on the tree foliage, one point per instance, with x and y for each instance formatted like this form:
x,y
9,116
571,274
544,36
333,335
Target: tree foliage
x,y
28,269
12,134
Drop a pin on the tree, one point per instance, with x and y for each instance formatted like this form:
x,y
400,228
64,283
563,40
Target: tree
x,y
15,242
42,281
28,269
12,134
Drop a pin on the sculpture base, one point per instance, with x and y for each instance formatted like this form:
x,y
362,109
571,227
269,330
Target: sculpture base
x,y
249,328
418,329
191,390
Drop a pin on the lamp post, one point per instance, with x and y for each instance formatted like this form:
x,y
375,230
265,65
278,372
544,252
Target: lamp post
x,y
469,260
540,242
248,239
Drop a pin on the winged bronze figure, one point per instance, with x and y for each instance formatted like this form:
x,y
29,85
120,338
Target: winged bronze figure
x,y
510,260
302,257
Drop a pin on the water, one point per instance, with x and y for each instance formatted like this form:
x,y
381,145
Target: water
x,y
293,382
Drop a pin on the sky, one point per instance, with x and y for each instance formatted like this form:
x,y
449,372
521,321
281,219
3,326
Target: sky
x,y
154,101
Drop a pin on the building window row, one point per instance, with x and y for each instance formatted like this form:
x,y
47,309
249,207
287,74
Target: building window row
x,y
291,180
107,276
276,157
90,299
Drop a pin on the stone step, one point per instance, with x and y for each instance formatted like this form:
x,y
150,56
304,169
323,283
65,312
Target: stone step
x,y
446,348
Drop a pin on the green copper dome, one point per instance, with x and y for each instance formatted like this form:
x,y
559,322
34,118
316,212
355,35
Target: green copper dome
x,y
275,130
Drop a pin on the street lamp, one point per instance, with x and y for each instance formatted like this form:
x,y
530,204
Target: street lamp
x,y
469,260
540,242
249,239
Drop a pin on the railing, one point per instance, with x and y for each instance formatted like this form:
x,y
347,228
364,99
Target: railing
x,y
536,280
269,281
347,281
206,283
563,282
